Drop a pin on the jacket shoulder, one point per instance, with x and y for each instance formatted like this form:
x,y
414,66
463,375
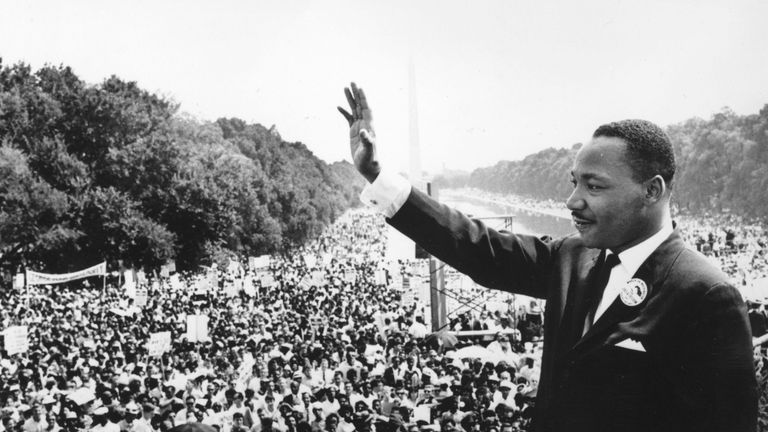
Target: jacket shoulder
x,y
697,271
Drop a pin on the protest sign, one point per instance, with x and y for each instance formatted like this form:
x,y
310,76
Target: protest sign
x,y
248,286
422,412
304,284
318,278
141,297
176,282
310,260
18,281
201,287
260,262
213,279
267,280
317,321
233,267
380,277
159,343
128,277
408,299
16,340
350,277
229,289
197,328
36,278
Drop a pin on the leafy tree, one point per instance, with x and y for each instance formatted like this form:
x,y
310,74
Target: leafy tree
x,y
33,218
112,171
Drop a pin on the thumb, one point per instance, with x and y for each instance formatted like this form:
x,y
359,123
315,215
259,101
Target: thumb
x,y
368,138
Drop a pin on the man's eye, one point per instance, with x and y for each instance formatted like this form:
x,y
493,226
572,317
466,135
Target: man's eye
x,y
593,187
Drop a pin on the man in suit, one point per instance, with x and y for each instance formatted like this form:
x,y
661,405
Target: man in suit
x,y
641,333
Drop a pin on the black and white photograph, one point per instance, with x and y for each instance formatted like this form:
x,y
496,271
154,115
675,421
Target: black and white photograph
x,y
383,216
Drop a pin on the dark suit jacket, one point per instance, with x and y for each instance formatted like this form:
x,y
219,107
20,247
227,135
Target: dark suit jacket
x,y
697,372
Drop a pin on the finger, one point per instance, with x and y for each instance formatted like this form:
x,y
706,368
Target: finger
x,y
365,111
346,115
361,99
350,99
356,94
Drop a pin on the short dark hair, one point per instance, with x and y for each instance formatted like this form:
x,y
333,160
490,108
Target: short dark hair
x,y
649,150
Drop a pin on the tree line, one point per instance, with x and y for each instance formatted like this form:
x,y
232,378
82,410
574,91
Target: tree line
x,y
112,171
722,166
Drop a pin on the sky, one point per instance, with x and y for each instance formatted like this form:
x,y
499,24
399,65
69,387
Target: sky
x,y
493,80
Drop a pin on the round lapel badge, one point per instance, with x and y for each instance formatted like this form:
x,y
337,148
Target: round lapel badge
x,y
634,292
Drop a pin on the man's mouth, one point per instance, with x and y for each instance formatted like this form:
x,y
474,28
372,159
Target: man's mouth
x,y
581,223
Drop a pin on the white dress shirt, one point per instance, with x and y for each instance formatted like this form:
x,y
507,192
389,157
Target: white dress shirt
x,y
631,260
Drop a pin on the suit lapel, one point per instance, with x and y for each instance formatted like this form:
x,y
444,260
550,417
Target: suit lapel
x,y
652,273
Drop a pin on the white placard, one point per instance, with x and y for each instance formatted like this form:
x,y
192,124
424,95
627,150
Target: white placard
x,y
16,340
233,267
248,286
18,281
255,263
159,343
201,288
141,297
197,328
176,282
318,278
229,289
267,281
408,299
380,277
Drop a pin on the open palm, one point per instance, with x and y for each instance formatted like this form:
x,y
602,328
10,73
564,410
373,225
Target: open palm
x,y
362,140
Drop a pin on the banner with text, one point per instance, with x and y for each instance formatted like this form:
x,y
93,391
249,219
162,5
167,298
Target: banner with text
x,y
35,278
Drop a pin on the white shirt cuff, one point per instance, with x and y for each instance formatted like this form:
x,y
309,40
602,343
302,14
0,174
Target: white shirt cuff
x,y
387,193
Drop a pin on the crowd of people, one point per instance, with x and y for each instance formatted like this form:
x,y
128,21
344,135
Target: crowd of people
x,y
326,338
322,339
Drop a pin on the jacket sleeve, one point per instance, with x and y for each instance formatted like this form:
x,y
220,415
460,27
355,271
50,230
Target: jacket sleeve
x,y
722,386
494,259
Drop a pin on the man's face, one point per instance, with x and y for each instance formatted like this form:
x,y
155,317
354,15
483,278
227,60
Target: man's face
x,y
607,204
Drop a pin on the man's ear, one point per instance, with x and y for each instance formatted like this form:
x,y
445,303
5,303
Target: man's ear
x,y
655,189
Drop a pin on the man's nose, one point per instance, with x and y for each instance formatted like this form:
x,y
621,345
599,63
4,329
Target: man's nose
x,y
575,201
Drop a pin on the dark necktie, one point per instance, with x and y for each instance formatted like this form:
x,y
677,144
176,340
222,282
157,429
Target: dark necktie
x,y
598,287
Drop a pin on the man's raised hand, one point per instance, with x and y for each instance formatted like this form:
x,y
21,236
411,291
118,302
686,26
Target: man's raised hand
x,y
362,139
